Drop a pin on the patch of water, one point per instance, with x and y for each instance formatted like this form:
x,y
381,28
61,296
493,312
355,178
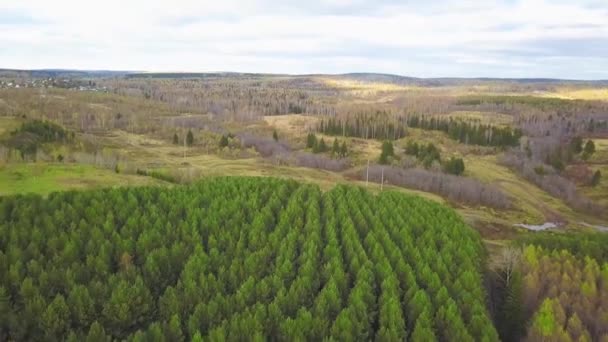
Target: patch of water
x,y
537,227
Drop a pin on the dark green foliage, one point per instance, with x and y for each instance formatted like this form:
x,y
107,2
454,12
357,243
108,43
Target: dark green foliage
x,y
189,138
275,135
597,176
175,139
589,149
529,100
412,148
454,166
224,141
32,134
158,175
238,259
311,140
338,150
425,154
388,151
335,149
97,333
343,150
320,147
46,130
510,316
469,133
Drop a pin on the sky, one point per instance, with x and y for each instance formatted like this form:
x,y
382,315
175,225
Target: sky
x,y
422,38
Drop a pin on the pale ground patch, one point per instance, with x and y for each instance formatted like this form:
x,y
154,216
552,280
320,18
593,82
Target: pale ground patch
x,y
294,124
581,94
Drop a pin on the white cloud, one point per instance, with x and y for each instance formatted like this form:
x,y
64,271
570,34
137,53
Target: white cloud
x,y
464,38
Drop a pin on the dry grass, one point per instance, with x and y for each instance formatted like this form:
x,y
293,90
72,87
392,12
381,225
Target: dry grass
x,y
292,124
581,94
8,124
363,87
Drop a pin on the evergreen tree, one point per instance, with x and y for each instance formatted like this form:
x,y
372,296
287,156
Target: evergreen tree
x,y
576,145
56,319
97,333
387,152
335,149
320,147
597,176
311,140
589,149
511,318
173,331
175,139
275,135
223,141
343,150
189,138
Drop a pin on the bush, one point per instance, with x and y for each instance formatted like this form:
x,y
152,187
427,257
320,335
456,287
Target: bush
x,y
454,166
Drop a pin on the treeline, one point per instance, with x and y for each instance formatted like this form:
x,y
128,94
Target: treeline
x,y
535,101
236,97
552,286
238,259
468,133
581,245
457,189
380,125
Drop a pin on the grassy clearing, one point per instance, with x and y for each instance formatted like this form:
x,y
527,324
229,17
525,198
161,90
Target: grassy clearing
x,y
292,124
8,124
601,151
533,204
598,193
43,178
582,94
363,86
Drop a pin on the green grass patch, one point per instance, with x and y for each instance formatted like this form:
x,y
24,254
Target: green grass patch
x,y
43,178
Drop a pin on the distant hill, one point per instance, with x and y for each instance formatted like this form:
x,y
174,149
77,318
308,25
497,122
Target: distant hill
x,y
361,76
60,73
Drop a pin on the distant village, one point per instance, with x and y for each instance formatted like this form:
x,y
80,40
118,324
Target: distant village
x,y
51,82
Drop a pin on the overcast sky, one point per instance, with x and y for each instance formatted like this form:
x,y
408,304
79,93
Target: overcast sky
x,y
425,38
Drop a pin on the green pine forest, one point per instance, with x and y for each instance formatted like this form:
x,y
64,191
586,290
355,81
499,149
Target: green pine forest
x,y
239,259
